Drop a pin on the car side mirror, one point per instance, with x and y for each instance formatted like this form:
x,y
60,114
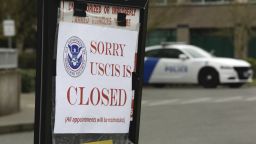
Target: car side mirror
x,y
183,57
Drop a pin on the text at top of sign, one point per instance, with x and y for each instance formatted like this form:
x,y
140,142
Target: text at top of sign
x,y
99,14
9,28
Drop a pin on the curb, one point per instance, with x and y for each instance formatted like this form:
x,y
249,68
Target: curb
x,y
16,128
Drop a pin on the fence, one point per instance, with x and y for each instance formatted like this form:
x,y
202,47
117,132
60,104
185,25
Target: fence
x,y
8,58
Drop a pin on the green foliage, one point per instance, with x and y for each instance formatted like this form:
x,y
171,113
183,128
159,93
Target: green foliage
x,y
252,61
28,80
27,63
24,12
27,60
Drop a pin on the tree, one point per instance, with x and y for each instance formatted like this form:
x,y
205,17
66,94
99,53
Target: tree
x,y
24,14
243,17
6,12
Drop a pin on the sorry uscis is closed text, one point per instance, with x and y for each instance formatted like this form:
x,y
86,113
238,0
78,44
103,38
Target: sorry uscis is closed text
x,y
96,97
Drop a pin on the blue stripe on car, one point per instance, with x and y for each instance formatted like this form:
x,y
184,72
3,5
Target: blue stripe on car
x,y
149,66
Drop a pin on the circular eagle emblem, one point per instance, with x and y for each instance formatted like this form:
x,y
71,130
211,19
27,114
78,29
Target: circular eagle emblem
x,y
75,56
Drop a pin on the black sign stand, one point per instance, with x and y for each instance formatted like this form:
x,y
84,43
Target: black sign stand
x,y
46,65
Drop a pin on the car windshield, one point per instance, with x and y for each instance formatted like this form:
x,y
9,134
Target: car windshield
x,y
197,52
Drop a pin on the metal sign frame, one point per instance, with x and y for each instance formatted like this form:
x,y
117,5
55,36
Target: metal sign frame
x,y
46,66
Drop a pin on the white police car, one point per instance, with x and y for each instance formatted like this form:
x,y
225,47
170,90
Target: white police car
x,y
181,63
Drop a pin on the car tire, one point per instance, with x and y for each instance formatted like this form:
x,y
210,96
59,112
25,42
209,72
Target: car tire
x,y
235,85
208,78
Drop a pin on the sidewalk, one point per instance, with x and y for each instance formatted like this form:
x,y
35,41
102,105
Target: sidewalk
x,y
21,121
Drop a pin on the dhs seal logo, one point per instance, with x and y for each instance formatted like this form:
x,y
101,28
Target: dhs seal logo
x,y
75,56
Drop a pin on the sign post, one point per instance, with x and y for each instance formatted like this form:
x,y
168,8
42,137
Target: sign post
x,y
9,30
89,71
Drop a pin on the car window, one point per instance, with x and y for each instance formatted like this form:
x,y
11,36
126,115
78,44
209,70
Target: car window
x,y
164,53
153,53
197,53
171,53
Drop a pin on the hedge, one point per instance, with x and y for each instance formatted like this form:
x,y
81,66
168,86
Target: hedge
x,y
27,60
28,80
252,61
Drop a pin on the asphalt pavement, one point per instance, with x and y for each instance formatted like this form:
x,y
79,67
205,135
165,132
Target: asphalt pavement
x,y
186,116
17,138
21,121
198,116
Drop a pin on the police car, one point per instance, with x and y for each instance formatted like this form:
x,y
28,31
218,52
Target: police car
x,y
182,63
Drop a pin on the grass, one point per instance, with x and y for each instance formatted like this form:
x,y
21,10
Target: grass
x,y
254,82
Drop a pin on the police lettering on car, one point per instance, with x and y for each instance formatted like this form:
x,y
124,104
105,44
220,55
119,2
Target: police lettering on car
x,y
176,69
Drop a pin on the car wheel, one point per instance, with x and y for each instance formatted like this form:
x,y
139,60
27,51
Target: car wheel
x,y
235,85
209,78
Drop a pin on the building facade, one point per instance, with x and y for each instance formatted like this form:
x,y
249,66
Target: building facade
x,y
224,27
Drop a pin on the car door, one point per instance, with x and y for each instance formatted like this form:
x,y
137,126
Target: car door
x,y
164,66
152,58
174,69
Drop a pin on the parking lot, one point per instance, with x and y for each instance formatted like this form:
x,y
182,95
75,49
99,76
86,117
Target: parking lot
x,y
198,116
189,116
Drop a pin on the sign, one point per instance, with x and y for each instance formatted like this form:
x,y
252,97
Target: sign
x,y
9,28
101,142
94,78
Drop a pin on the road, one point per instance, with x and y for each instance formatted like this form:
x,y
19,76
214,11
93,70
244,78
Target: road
x,y
198,116
17,138
189,116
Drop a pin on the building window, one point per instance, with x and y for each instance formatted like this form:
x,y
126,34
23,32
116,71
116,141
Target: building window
x,y
155,37
211,1
251,1
160,2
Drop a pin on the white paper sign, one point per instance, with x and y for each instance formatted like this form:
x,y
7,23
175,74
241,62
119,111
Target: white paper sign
x,y
94,79
9,28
